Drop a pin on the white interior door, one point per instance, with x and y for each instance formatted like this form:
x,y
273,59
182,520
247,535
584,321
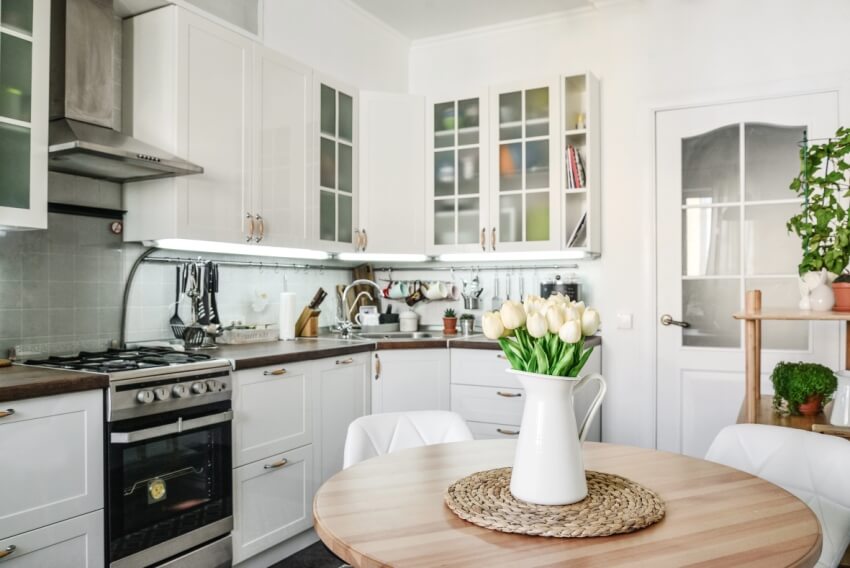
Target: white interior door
x,y
722,177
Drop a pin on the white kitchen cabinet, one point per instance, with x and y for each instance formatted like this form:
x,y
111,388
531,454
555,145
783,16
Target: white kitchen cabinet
x,y
343,396
273,411
74,543
491,400
188,88
53,447
457,205
280,196
392,173
410,379
24,69
335,147
272,500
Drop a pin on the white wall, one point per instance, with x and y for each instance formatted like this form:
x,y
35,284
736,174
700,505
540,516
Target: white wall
x,y
648,53
338,39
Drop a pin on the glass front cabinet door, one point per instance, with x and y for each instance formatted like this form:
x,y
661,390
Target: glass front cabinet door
x,y
457,200
525,174
24,52
336,187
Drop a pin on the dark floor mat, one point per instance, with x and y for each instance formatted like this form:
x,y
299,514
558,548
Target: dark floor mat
x,y
316,555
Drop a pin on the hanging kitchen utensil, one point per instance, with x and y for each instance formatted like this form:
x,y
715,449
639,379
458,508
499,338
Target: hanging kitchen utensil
x,y
212,288
176,323
521,287
508,286
495,301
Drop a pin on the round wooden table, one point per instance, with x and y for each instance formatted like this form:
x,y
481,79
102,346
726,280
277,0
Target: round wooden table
x,y
389,511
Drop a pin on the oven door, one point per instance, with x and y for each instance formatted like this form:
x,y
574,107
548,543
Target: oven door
x,y
169,483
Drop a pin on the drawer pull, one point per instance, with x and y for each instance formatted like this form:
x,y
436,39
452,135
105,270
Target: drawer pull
x,y
507,432
8,551
7,412
509,394
276,465
501,356
345,361
377,367
280,371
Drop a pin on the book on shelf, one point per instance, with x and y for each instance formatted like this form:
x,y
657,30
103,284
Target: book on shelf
x,y
579,234
576,176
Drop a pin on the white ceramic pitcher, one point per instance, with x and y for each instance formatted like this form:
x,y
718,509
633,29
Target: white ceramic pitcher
x,y
548,466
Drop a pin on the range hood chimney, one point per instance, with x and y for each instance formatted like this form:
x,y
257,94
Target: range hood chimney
x,y
82,141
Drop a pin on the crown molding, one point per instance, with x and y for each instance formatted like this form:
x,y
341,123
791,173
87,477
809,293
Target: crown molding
x,y
367,15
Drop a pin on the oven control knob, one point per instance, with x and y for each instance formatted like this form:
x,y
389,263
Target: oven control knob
x,y
145,397
161,393
179,391
199,388
214,386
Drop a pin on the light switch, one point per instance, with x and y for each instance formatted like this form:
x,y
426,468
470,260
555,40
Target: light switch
x,y
624,321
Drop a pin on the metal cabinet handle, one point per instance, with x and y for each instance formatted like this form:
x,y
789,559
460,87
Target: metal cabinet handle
x,y
358,241
250,219
377,367
280,371
276,464
8,550
509,394
7,412
365,240
262,223
493,240
501,356
507,432
345,361
483,239
667,319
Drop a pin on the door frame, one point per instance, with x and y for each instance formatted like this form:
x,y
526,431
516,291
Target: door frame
x,y
822,83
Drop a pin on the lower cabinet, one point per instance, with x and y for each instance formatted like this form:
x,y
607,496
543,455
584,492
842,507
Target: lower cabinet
x,y
272,501
410,379
74,543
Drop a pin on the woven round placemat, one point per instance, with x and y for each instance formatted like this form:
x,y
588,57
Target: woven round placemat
x,y
614,505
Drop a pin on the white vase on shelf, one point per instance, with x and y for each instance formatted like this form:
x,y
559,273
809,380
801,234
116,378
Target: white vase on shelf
x,y
820,297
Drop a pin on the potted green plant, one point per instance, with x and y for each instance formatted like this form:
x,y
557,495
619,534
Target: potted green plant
x,y
822,224
802,387
449,322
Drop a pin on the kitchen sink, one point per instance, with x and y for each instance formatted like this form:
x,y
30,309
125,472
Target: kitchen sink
x,y
396,335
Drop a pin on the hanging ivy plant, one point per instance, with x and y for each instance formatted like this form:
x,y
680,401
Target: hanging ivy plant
x,y
823,186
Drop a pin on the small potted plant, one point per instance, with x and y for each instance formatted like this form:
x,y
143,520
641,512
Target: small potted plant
x,y
467,323
449,322
802,388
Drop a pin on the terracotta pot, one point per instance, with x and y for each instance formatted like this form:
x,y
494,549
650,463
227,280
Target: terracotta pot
x,y
450,326
812,405
841,290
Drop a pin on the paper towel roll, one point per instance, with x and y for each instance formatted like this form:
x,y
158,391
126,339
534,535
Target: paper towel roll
x,y
288,316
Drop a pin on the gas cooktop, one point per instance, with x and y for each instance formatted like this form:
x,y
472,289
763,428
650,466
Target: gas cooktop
x,y
117,360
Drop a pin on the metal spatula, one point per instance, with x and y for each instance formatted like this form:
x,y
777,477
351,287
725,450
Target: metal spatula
x,y
176,323
495,301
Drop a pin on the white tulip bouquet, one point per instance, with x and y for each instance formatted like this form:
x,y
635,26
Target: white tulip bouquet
x,y
543,336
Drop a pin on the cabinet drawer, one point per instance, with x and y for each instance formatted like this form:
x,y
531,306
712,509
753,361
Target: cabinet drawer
x,y
272,501
481,367
272,411
492,431
488,404
53,460
75,543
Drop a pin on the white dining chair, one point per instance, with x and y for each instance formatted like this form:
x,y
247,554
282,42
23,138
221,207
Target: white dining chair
x,y
379,434
814,467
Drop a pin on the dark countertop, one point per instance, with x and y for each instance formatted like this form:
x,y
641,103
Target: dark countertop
x,y
481,342
20,381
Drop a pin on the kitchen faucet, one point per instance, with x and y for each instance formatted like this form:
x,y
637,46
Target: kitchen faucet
x,y
344,325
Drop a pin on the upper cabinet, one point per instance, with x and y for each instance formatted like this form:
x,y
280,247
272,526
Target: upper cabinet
x,y
24,66
457,213
336,171
392,173
188,88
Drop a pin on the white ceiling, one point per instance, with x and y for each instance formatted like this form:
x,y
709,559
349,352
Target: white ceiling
x,y
419,19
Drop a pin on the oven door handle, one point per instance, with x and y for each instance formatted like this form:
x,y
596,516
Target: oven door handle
x,y
173,428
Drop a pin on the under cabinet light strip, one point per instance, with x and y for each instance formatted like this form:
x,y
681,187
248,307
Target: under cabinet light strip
x,y
246,263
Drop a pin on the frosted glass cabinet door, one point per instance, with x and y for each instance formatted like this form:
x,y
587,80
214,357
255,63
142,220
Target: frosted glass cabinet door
x,y
24,48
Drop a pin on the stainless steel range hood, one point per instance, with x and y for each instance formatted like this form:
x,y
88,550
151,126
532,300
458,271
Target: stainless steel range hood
x,y
82,90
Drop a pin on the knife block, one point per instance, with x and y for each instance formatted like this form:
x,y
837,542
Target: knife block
x,y
312,327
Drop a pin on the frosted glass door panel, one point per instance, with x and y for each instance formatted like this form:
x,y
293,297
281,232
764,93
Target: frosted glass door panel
x,y
510,116
707,305
537,216
345,167
780,293
444,173
768,246
537,164
346,118
15,77
467,220
14,166
537,112
444,125
328,111
468,122
510,167
772,160
444,222
711,242
327,170
711,167
327,216
510,218
16,15
468,166
345,217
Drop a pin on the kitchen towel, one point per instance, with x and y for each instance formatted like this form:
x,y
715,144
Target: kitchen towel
x,y
287,315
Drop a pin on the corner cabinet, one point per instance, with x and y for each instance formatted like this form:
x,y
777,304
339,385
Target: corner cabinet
x,y
24,67
336,175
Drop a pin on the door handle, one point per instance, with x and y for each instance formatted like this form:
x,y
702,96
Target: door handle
x,y
507,432
262,225
7,412
365,241
377,367
250,219
493,239
667,319
358,241
8,550
508,394
348,361
280,371
276,464
483,239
